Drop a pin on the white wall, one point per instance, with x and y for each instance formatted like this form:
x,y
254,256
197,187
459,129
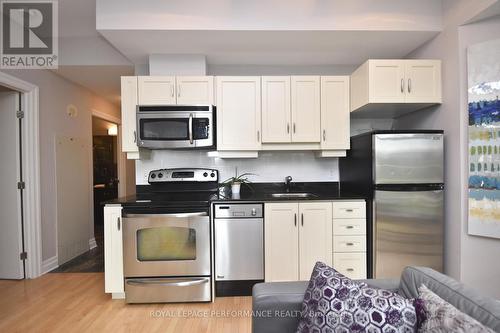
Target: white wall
x,y
450,117
55,95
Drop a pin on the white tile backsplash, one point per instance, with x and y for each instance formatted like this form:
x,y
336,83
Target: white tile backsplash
x,y
269,167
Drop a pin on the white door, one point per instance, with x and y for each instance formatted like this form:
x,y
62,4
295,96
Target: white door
x,y
276,112
315,236
305,101
281,245
423,81
335,126
387,82
128,106
156,90
195,90
11,266
238,113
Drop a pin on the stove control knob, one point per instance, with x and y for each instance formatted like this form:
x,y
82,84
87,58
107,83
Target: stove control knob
x,y
153,175
160,175
212,175
205,174
254,212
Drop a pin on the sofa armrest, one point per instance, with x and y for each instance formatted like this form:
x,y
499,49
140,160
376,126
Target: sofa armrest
x,y
277,306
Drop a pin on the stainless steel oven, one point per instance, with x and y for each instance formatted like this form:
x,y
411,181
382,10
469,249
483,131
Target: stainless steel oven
x,y
167,237
176,126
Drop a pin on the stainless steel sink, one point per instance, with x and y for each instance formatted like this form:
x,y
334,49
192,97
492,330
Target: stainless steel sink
x,y
294,195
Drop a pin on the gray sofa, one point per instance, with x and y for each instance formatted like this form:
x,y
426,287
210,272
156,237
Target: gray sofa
x,y
277,305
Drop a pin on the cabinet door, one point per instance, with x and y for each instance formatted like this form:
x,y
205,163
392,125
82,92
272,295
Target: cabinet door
x,y
128,105
113,250
305,101
156,90
238,113
335,130
195,90
281,245
315,236
276,117
387,82
423,81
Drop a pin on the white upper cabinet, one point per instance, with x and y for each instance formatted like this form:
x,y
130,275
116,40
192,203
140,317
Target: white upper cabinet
x,y
392,87
335,122
238,113
156,90
305,100
128,108
276,112
195,90
423,81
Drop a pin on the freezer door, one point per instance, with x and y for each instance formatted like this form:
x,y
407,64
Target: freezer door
x,y
408,231
408,158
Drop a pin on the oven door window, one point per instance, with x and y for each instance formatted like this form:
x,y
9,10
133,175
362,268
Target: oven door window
x,y
164,129
166,244
201,128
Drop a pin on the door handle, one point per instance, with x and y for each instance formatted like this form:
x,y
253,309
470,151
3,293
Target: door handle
x,y
288,128
180,215
350,269
190,125
167,282
293,127
135,137
324,135
409,85
172,90
295,219
349,244
258,136
118,224
349,227
302,219
402,85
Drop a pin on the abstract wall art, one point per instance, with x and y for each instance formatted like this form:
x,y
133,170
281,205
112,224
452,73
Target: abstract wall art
x,y
483,63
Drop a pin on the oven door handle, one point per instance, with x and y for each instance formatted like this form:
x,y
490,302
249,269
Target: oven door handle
x,y
190,128
167,282
180,215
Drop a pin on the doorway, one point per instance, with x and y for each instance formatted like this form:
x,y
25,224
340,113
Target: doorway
x,y
12,249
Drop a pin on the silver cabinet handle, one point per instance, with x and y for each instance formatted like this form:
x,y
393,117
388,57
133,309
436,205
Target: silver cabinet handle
x,y
324,135
118,224
350,269
190,124
409,85
402,85
135,136
258,136
302,219
349,227
167,282
295,219
349,210
293,127
288,127
172,90
349,244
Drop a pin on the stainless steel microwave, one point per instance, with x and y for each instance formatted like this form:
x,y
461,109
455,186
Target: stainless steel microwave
x,y
176,126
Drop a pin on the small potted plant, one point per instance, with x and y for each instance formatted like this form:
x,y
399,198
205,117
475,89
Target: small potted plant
x,y
236,181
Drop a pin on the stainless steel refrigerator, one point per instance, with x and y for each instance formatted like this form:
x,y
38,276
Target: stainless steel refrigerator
x,y
401,172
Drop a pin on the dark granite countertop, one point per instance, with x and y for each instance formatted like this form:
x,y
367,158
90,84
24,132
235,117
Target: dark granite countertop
x,y
258,192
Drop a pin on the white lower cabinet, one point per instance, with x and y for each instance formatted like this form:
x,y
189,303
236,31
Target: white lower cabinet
x,y
113,251
297,235
349,238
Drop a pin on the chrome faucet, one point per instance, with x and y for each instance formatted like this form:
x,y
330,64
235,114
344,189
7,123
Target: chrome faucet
x,y
288,183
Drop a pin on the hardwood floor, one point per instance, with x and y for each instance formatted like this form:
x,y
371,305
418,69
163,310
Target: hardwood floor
x,y
75,302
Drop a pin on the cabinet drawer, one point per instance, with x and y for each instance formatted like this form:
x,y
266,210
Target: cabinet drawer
x,y
349,209
349,243
349,227
352,265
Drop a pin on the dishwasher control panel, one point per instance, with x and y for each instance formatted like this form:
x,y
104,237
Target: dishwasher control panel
x,y
228,211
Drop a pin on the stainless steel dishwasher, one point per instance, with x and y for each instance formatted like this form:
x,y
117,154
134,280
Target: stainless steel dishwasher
x,y
239,248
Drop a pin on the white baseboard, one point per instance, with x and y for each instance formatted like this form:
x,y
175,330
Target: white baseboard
x,y
92,243
49,264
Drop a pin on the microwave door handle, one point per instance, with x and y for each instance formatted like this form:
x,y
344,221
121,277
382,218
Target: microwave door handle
x,y
178,215
166,282
190,125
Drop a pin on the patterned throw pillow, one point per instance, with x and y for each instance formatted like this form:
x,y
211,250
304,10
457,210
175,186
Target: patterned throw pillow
x,y
443,317
335,303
